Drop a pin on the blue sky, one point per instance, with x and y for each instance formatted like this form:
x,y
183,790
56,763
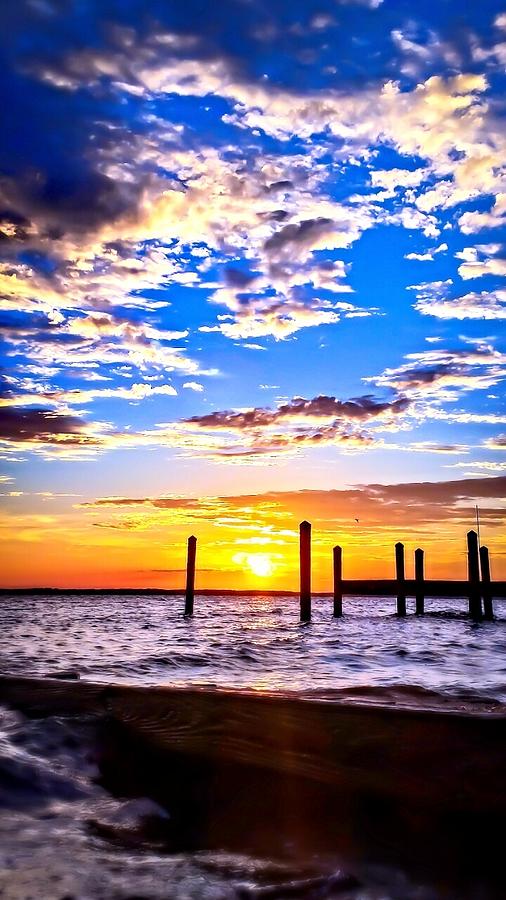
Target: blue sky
x,y
250,247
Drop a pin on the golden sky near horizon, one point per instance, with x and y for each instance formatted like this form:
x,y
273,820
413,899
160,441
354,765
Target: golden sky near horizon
x,y
245,541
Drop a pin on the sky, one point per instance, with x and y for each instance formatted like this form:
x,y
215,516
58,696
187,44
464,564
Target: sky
x,y
252,272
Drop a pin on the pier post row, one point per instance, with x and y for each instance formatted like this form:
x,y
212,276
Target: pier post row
x,y
190,576
419,583
473,572
305,571
488,607
338,581
401,580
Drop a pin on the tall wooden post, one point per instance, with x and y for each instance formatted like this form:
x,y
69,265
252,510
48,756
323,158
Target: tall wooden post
x,y
190,576
419,583
488,606
338,581
399,572
305,571
473,572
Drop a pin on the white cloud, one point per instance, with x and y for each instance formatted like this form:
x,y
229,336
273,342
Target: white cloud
x,y
428,255
475,305
78,397
470,222
481,260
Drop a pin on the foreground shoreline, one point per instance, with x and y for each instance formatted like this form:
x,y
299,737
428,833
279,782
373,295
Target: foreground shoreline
x,y
328,738
417,788
353,587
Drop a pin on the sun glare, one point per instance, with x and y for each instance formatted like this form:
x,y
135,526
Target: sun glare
x,y
260,564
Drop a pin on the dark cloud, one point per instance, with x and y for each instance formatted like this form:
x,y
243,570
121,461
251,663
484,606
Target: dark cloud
x,y
419,376
358,408
283,185
64,203
441,491
238,278
42,426
19,322
364,407
275,215
497,442
303,235
433,370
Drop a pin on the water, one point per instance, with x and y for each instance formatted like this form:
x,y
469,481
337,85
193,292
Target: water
x,y
64,837
65,833
256,642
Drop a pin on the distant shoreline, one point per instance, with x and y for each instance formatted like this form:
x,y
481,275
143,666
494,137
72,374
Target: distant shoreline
x,y
371,587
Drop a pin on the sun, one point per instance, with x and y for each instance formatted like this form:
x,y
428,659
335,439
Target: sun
x,y
260,564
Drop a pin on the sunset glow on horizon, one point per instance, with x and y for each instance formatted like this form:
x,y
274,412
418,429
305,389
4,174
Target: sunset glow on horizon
x,y
253,272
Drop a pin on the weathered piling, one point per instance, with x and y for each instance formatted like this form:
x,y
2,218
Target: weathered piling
x,y
305,571
190,576
419,583
338,581
401,580
473,572
486,587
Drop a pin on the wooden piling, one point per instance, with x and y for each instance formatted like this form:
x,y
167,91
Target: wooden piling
x,y
338,581
401,582
419,583
190,576
305,571
473,572
486,587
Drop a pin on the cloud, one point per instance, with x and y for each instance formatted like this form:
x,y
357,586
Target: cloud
x,y
179,152
428,255
318,409
419,387
281,316
106,338
300,237
76,397
486,465
377,506
481,260
496,443
159,502
142,198
44,426
395,179
471,222
292,426
442,374
475,305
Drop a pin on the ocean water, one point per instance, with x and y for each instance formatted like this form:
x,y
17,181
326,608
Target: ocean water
x,y
256,642
66,833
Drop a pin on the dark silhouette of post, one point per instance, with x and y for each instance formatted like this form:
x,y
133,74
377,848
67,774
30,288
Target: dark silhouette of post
x,y
473,573
401,582
486,587
338,581
190,576
419,583
305,571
